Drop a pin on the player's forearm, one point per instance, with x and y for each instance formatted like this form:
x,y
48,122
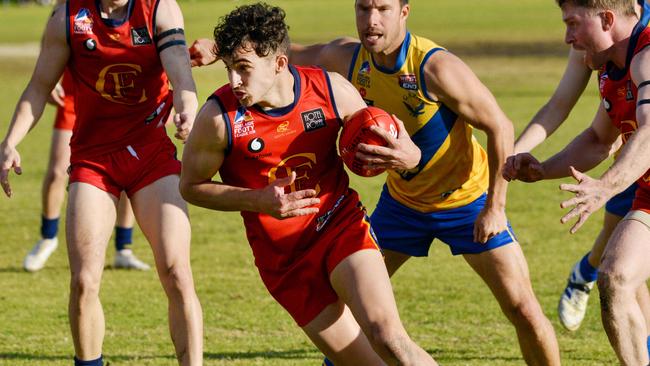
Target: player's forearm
x,y
500,143
584,153
28,110
185,100
219,196
632,162
545,122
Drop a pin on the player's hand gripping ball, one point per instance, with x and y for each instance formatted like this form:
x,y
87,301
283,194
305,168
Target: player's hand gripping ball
x,y
357,130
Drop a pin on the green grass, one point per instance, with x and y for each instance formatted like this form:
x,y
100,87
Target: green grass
x,y
515,46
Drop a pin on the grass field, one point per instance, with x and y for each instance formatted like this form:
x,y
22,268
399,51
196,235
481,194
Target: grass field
x,y
515,46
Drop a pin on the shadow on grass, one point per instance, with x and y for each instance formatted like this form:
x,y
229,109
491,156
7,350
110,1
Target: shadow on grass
x,y
12,270
282,355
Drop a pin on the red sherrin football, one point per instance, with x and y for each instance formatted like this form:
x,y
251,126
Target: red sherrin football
x,y
357,130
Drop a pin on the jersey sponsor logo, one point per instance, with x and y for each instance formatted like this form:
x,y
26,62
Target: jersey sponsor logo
x,y
90,44
243,124
413,104
118,83
607,104
256,145
408,82
83,22
302,164
323,219
602,81
313,119
140,36
628,91
363,76
283,130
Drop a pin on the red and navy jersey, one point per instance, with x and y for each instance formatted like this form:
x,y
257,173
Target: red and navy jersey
x,y
618,91
123,95
267,145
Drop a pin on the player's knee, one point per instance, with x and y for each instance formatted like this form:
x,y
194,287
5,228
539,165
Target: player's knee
x,y
526,311
177,279
613,284
390,338
85,284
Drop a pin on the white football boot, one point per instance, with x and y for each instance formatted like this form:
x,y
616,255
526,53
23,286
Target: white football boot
x,y
573,304
127,260
36,258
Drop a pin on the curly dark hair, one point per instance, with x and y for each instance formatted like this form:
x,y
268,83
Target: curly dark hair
x,y
260,24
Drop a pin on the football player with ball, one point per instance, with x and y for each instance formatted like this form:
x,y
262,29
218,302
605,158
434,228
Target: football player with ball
x,y
271,134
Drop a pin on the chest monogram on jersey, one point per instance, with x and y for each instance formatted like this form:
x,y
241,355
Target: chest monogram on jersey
x,y
118,83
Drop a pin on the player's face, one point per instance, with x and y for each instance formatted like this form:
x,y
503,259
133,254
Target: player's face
x,y
585,32
381,24
250,76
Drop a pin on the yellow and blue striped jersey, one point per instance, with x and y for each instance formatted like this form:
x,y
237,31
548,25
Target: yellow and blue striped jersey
x,y
453,170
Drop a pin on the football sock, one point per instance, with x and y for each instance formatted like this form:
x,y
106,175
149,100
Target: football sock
x,y
327,362
648,342
96,362
583,272
49,227
123,237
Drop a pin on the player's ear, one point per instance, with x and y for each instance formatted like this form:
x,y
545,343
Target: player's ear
x,y
281,62
607,19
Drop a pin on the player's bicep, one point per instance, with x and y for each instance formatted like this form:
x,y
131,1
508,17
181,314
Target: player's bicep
x,y
54,53
169,37
452,82
603,128
205,148
346,98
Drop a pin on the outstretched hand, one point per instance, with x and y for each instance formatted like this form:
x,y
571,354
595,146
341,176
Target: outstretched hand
x,y
275,202
524,167
401,153
590,195
9,159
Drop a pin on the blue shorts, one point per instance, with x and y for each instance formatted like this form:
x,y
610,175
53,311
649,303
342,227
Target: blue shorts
x,y
620,204
402,229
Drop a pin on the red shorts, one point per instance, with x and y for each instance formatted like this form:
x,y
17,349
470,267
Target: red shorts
x,y
65,116
130,169
304,289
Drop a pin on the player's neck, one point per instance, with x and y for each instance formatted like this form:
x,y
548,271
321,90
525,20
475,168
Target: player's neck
x,y
114,9
621,36
281,93
388,57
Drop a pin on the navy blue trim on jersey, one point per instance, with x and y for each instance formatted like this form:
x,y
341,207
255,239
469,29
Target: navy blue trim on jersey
x,y
226,119
431,136
114,22
67,22
329,89
281,111
423,83
355,55
153,18
615,73
401,57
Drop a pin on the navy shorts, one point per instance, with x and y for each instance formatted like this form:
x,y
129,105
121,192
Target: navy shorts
x,y
620,204
402,229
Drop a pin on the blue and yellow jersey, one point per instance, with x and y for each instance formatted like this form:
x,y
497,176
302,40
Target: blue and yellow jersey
x,y
453,170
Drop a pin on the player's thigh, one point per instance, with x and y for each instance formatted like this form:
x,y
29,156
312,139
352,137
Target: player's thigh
x,y
162,215
361,281
89,223
626,254
60,150
337,334
505,271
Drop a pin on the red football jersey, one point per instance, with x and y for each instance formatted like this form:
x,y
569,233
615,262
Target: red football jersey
x,y
619,92
268,145
122,92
